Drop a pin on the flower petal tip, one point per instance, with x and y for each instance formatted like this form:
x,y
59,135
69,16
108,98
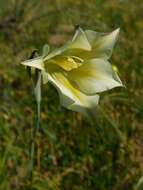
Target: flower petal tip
x,y
36,63
115,33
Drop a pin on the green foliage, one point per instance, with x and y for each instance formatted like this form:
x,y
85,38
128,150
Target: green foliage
x,y
71,152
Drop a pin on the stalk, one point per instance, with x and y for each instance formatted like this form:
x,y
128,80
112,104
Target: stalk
x,y
36,84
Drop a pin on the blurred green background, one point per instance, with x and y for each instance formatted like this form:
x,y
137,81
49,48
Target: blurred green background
x,y
71,152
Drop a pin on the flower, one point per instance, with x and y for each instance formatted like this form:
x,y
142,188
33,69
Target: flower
x,y
80,69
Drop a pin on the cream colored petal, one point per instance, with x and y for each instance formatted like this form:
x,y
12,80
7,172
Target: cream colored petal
x,y
35,63
70,97
92,103
94,76
79,41
55,53
102,44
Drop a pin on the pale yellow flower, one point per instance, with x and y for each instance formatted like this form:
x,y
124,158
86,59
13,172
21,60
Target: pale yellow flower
x,y
80,69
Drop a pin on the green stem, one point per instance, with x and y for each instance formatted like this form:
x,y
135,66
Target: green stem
x,y
34,134
36,83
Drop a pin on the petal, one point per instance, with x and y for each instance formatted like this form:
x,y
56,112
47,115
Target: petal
x,y
79,41
35,63
102,44
70,97
89,108
94,76
56,52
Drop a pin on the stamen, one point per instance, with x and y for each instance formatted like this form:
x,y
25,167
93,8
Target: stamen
x,y
77,58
